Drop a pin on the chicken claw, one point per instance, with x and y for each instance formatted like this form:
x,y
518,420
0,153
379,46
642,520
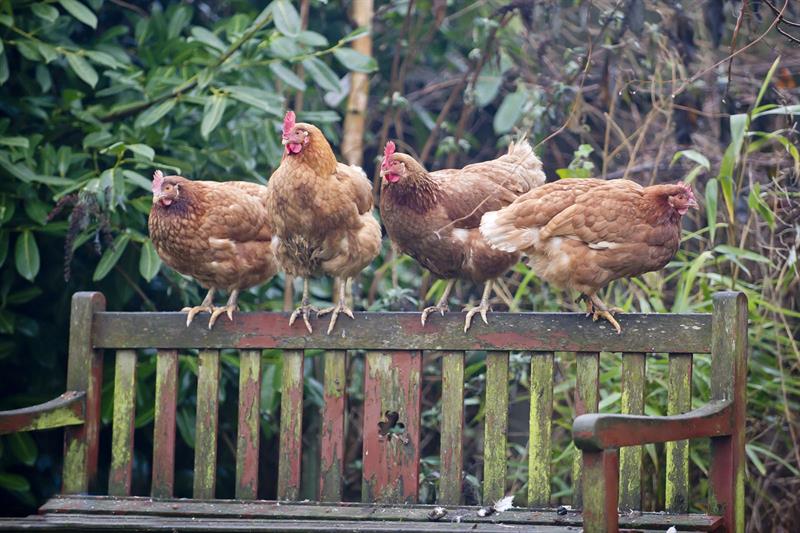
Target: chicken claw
x,y
441,305
207,305
483,308
598,309
304,309
337,309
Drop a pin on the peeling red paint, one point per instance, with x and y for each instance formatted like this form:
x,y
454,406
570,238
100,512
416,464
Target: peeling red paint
x,y
332,440
164,425
248,434
291,436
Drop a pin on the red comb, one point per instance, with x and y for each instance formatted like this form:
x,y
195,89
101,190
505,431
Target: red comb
x,y
158,180
288,122
388,151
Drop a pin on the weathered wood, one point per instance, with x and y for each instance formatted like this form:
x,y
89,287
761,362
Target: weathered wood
x,y
679,400
119,475
602,432
600,486
392,388
568,332
630,458
207,422
69,409
452,435
84,374
291,435
540,440
166,398
270,510
248,430
729,371
332,439
495,461
587,383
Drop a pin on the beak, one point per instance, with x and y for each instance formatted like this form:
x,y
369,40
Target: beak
x,y
383,172
284,141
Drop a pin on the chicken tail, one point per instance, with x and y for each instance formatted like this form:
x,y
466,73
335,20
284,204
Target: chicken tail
x,y
498,228
527,167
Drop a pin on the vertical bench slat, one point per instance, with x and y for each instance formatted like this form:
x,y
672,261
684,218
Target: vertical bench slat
x,y
332,441
392,384
84,373
679,400
164,424
451,445
119,476
291,437
630,458
248,429
205,441
729,351
495,427
587,381
540,440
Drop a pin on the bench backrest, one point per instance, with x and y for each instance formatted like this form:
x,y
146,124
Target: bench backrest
x,y
393,344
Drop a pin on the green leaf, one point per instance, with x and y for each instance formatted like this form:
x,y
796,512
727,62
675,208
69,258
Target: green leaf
x,y
7,208
288,77
26,255
43,78
154,114
45,11
782,110
487,85
355,34
287,20
82,68
48,52
214,110
80,12
104,59
149,262
765,83
509,112
138,180
258,98
208,38
180,18
757,204
4,239
312,38
142,150
693,155
356,61
711,207
19,142
322,74
749,255
14,482
23,447
111,256
3,69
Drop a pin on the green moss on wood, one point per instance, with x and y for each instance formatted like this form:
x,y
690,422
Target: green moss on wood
x,y
541,414
495,427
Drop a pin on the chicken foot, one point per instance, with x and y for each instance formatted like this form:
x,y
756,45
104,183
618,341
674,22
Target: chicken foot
x,y
340,307
231,306
597,309
206,305
304,309
483,308
441,305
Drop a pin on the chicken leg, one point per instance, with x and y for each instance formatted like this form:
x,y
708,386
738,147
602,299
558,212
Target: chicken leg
x,y
206,305
441,305
598,309
304,308
340,307
229,308
483,308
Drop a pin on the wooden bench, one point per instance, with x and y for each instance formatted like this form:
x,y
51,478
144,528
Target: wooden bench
x,y
608,477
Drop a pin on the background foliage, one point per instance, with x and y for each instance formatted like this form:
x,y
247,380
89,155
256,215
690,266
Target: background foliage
x,y
95,95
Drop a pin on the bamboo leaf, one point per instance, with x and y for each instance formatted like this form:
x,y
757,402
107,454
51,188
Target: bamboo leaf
x,y
765,83
149,262
26,255
111,256
80,12
214,110
711,207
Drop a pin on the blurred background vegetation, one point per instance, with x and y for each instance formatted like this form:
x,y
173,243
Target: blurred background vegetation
x,y
97,94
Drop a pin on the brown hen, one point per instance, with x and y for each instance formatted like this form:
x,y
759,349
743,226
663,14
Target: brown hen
x,y
322,215
582,234
434,216
216,232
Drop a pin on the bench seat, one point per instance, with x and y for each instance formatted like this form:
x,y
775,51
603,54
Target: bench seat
x,y
65,513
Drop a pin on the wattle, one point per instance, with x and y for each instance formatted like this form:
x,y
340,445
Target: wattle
x,y
294,148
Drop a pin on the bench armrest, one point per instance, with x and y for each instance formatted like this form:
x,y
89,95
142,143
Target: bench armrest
x,y
69,409
596,432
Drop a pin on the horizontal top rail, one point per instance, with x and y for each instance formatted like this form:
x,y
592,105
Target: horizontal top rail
x,y
688,333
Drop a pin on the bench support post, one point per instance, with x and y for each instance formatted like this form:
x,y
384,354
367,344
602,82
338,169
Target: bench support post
x,y
84,373
729,368
600,479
